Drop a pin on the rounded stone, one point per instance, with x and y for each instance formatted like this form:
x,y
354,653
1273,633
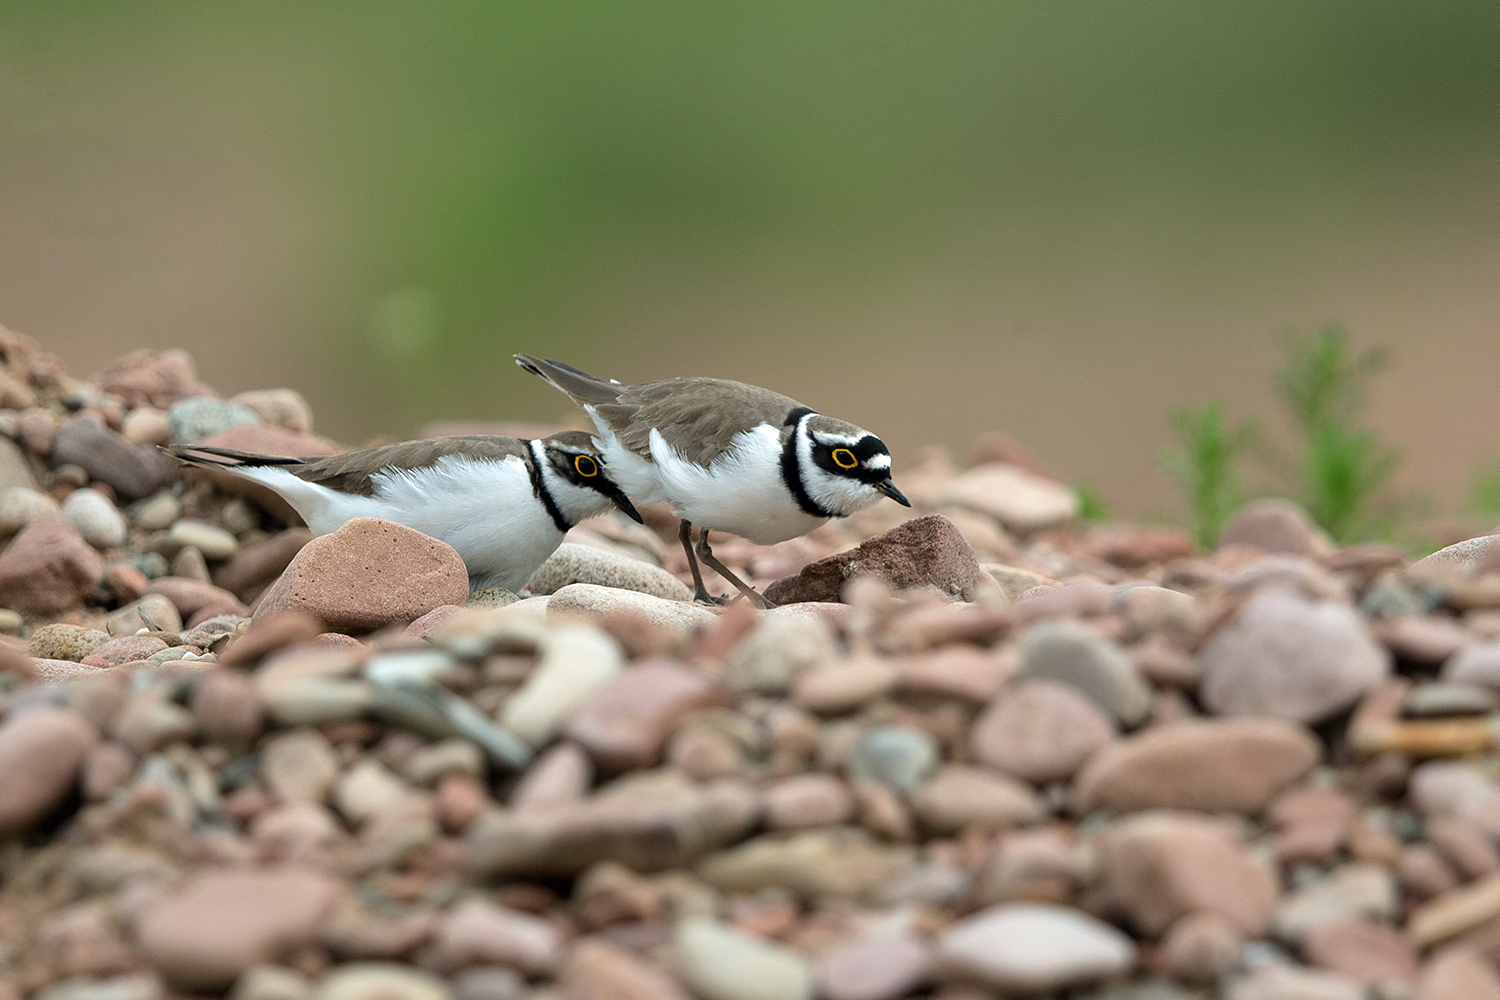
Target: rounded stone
x,y
573,563
96,518
1285,656
380,981
1040,730
224,921
366,575
1075,654
199,417
1273,525
20,505
41,752
718,963
1034,947
65,642
893,755
960,797
210,539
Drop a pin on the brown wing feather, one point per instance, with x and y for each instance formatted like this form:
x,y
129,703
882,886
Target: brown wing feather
x,y
698,417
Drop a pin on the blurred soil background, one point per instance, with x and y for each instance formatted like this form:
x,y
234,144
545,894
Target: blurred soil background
x,y
1062,221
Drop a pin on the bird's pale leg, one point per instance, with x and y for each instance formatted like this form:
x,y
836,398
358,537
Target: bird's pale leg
x,y
685,536
707,555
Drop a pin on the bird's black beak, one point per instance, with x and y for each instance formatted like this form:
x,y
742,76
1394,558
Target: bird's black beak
x,y
889,489
623,502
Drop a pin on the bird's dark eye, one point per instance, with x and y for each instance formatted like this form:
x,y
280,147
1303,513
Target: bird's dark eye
x,y
587,467
844,458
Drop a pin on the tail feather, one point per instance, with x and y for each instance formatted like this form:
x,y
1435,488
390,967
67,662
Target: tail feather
x,y
225,458
579,386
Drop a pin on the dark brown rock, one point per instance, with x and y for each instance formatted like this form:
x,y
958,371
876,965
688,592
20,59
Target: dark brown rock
x,y
924,552
366,575
48,568
133,471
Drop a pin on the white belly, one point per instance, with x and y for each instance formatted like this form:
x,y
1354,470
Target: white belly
x,y
742,492
484,509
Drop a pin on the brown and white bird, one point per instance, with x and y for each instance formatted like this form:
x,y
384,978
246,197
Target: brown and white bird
x,y
727,456
503,503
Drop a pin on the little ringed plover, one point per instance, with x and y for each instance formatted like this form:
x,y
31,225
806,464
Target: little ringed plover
x,y
503,503
727,456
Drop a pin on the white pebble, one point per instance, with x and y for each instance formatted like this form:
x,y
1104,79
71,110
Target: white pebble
x,y
95,517
214,542
21,505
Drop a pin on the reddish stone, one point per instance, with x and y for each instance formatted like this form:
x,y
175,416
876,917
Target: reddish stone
x,y
41,751
627,722
366,575
123,649
926,551
193,596
262,439
263,562
154,378
268,634
48,568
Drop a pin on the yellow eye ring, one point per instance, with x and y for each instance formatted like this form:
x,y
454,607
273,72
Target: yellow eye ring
x,y
587,467
844,458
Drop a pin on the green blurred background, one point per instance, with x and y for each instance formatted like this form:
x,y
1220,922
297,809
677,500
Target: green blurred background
x,y
1057,220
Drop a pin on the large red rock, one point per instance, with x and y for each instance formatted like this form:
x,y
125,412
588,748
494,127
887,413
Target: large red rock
x,y
41,751
48,568
923,552
366,575
224,921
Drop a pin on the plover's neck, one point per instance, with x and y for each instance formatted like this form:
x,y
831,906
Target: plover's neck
x,y
542,476
796,455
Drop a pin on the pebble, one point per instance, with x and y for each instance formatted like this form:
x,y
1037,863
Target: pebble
x,y
573,563
223,921
1034,947
366,575
214,542
1458,972
598,970
48,568
146,425
1074,654
227,708
1352,890
479,933
928,552
838,862
1160,866
1041,731
592,603
95,517
281,407
65,642
15,471
1282,655
41,752
960,797
844,685
1479,664
776,652
154,378
1273,525
1362,949
1278,981
380,981
1234,765
299,766
719,963
123,649
576,663
199,417
625,723
559,776
893,755
156,513
1021,501
256,564
887,964
133,471
20,505
806,801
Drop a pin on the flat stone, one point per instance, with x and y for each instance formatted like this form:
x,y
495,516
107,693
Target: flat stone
x,y
1074,654
625,723
48,568
479,933
123,649
886,964
41,752
1235,765
668,823
224,921
380,981
1041,731
1466,556
893,755
573,563
192,597
719,963
1285,656
804,801
1034,947
213,541
814,864
960,797
366,575
1021,501
132,470
299,765
927,552
591,602
1160,866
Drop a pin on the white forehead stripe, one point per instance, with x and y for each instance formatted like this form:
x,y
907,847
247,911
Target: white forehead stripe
x,y
878,462
836,439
